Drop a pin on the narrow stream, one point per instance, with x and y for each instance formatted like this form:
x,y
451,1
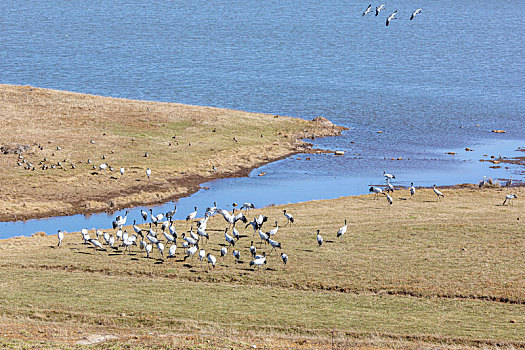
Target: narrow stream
x,y
297,179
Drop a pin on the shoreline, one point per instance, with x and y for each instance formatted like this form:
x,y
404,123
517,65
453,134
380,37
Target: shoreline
x,y
180,143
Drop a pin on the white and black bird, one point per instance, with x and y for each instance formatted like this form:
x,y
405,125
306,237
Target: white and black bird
x,y
229,239
391,17
274,244
247,206
224,251
385,174
148,172
389,186
389,199
368,10
437,192
253,250
211,260
415,13
375,190
160,247
412,189
121,220
171,213
378,9
264,237
148,249
144,215
289,218
274,230
341,232
192,215
60,236
97,244
202,254
171,251
122,170
284,258
508,198
237,255
319,238
258,262
191,251
235,233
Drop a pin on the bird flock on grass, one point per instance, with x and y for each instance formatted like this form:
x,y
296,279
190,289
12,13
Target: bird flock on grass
x,y
157,235
390,17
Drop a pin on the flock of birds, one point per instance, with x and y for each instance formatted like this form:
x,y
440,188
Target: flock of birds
x,y
392,16
147,238
145,235
389,188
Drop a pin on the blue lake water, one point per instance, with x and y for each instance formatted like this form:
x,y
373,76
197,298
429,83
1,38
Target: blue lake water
x,y
425,83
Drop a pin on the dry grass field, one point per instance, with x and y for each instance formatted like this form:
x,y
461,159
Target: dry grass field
x,y
416,274
186,146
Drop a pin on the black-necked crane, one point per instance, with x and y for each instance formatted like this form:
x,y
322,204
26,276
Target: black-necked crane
x,y
172,250
378,9
229,239
169,238
119,232
415,13
237,255
319,238
127,244
111,241
148,173
192,215
391,17
257,263
253,250
289,218
437,192
152,239
106,237
191,251
264,237
144,215
202,254
148,249
284,258
368,10
60,236
224,251
85,235
201,232
341,232
412,189
160,247
102,167
385,174
121,220
211,260
247,206
274,230
235,233
509,198
195,236
125,235
97,244
172,230
190,240
389,186
122,170
389,199
151,232
165,225
274,244
375,190
211,210
171,213
482,182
